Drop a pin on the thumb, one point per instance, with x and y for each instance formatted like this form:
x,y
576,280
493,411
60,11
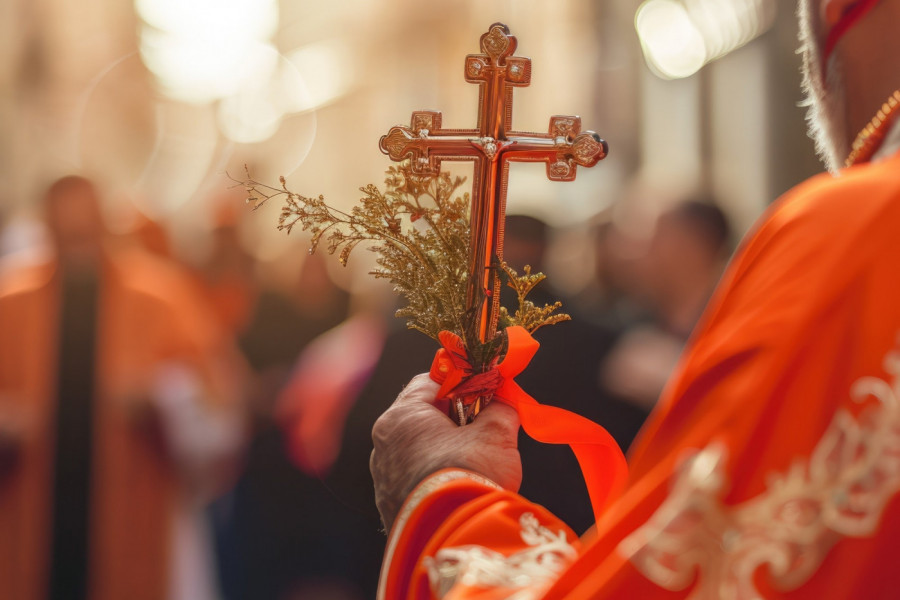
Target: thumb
x,y
500,420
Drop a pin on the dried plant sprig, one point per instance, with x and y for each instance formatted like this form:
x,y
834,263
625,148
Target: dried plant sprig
x,y
528,315
419,228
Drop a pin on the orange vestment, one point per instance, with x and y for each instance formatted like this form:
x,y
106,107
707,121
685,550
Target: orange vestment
x,y
148,315
772,464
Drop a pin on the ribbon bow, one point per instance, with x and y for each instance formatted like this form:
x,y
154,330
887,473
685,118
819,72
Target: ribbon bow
x,y
601,460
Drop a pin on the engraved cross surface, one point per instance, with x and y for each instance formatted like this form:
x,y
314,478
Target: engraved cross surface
x,y
492,145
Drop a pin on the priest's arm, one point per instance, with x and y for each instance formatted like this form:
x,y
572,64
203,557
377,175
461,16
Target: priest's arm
x,y
770,468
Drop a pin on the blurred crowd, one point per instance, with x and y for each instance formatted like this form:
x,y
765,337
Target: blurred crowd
x,y
189,427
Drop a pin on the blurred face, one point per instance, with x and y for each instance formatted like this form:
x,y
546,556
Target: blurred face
x,y
674,250
519,252
74,219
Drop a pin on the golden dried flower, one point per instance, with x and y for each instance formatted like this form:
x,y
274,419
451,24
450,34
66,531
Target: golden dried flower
x,y
427,263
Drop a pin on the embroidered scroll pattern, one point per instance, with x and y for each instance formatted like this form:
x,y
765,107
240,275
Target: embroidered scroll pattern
x,y
526,574
427,487
852,473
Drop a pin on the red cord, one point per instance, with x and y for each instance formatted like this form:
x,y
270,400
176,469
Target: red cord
x,y
848,20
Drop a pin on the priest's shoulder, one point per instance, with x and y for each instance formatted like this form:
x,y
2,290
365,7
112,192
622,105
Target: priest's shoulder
x,y
866,196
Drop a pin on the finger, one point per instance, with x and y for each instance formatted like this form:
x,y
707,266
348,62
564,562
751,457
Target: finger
x,y
499,418
420,389
414,404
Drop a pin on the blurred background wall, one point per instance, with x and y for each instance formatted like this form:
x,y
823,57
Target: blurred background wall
x,y
158,99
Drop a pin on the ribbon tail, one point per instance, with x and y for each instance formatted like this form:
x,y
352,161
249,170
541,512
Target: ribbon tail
x,y
601,460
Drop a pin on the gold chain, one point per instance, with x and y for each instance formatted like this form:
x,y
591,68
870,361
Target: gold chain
x,y
870,137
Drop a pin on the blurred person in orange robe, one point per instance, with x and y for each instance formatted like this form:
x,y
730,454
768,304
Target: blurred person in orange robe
x,y
771,466
118,412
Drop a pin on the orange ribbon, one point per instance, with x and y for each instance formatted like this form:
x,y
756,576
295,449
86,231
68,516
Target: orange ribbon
x,y
599,456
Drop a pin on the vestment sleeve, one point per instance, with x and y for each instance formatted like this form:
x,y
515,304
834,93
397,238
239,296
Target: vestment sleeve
x,y
460,536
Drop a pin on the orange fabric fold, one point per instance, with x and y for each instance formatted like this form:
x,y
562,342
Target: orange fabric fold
x,y
601,460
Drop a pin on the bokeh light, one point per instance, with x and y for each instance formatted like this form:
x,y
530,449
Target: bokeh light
x,y
221,54
672,44
678,37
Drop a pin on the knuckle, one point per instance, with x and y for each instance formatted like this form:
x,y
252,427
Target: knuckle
x,y
381,428
422,379
420,385
501,420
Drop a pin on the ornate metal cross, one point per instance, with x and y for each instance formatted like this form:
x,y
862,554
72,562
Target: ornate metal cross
x,y
492,145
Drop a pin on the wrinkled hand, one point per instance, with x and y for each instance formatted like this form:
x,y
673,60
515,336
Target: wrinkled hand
x,y
414,438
